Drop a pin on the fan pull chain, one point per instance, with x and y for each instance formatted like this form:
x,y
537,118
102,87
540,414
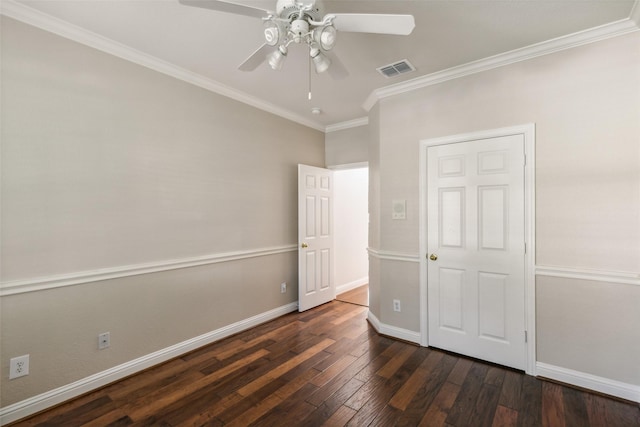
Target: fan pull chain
x,y
309,73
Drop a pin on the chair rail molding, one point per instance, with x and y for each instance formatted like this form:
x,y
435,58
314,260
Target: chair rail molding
x,y
619,277
56,281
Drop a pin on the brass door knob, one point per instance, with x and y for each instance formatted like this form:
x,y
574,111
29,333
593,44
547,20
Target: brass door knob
x,y
433,257
304,245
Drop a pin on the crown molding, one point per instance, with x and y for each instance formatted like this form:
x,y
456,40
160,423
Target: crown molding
x,y
69,31
580,38
362,121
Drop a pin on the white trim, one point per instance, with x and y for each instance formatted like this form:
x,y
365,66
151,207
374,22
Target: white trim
x,y
61,394
393,256
347,166
585,274
393,331
589,381
78,34
40,283
635,13
580,38
340,289
528,131
362,121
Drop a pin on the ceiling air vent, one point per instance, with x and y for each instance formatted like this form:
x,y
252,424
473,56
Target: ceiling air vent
x,y
396,68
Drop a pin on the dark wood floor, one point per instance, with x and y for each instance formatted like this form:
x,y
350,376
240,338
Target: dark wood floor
x,y
359,295
328,367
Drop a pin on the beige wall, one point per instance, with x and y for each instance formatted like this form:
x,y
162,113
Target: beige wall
x,y
107,164
347,146
585,103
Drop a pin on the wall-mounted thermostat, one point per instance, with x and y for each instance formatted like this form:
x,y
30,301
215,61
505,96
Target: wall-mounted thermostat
x,y
399,209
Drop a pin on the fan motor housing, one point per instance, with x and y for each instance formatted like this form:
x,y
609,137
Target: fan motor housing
x,y
290,10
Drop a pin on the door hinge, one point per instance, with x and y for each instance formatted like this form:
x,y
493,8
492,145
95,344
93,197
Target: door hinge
x,y
526,338
525,160
525,247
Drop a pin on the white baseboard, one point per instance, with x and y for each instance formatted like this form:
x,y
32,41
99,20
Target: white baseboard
x,y
351,285
393,331
591,382
43,401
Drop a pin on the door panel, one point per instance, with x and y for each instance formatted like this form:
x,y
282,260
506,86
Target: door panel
x,y
315,234
475,226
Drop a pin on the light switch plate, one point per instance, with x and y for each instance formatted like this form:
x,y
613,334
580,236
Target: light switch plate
x,y
399,209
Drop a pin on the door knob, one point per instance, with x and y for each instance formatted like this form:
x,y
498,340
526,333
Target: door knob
x,y
433,257
304,245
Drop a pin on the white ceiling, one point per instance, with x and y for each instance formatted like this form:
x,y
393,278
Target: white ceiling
x,y
209,45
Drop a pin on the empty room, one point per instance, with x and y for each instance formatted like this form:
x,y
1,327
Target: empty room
x,y
280,212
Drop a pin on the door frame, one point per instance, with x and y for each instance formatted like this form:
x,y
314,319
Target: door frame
x,y
528,131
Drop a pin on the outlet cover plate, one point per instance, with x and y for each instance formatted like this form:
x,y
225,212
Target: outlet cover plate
x,y
104,340
19,367
399,209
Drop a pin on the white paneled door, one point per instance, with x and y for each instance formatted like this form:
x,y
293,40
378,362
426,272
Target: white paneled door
x,y
476,249
315,237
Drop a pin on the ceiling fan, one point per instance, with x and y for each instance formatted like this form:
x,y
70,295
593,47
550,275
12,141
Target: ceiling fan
x,y
302,22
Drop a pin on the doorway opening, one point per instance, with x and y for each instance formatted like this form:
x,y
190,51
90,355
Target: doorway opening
x,y
351,234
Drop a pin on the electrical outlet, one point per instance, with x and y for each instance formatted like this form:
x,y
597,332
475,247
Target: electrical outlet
x,y
396,305
283,287
104,340
19,366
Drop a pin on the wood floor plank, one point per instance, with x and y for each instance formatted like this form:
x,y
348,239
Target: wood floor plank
x,y
486,405
328,366
403,397
603,411
552,405
387,417
340,418
248,403
359,295
394,364
333,370
511,390
575,407
426,394
530,405
327,408
505,417
495,376
439,409
340,380
357,312
281,369
85,413
378,401
291,410
464,406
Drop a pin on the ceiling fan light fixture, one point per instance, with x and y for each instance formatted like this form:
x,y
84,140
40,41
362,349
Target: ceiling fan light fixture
x,y
325,36
276,59
272,33
320,60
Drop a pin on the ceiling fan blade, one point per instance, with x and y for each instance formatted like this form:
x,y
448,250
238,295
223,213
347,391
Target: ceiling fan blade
x,y
256,58
226,6
337,70
374,23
